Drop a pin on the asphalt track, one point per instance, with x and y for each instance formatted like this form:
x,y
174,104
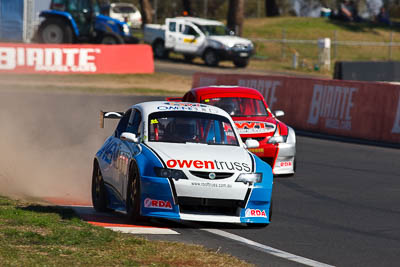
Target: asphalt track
x,y
342,207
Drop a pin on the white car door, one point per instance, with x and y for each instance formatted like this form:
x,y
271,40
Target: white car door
x,y
190,39
171,33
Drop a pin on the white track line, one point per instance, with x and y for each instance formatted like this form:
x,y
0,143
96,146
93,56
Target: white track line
x,y
267,249
143,230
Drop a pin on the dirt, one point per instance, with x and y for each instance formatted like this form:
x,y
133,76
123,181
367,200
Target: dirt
x,y
158,81
48,139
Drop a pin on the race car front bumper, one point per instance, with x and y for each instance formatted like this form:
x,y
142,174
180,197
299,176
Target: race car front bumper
x,y
159,198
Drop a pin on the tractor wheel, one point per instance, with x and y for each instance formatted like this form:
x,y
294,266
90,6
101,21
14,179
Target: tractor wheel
x,y
111,39
55,31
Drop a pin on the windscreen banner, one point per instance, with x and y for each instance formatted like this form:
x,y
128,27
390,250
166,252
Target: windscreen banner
x,y
69,59
364,110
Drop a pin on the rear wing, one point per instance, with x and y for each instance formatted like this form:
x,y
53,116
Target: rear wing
x,y
109,115
174,99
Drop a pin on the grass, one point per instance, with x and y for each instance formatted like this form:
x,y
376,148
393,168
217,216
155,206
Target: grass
x,y
32,235
302,28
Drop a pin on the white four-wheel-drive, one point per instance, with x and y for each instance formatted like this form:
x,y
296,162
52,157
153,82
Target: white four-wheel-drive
x,y
196,37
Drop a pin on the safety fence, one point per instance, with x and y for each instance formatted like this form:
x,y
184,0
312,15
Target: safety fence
x,y
364,110
61,59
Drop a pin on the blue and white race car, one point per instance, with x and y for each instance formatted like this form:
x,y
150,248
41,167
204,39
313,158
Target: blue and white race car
x,y
181,161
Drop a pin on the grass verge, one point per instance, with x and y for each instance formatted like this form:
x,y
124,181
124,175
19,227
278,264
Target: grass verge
x,y
32,234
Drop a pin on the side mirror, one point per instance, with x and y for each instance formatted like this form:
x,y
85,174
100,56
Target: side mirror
x,y
130,137
251,143
279,113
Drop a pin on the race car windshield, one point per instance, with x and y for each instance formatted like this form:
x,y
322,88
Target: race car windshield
x,y
239,107
216,30
191,127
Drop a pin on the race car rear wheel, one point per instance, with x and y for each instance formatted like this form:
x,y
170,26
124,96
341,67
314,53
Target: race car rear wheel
x,y
133,194
99,195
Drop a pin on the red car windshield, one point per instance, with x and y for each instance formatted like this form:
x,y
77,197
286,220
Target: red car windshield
x,y
239,107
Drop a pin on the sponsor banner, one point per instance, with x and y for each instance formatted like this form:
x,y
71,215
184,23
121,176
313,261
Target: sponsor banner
x,y
254,127
366,110
62,59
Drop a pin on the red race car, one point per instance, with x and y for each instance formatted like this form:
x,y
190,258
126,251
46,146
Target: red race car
x,y
254,120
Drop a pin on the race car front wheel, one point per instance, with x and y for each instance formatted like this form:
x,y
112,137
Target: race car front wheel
x,y
99,197
133,197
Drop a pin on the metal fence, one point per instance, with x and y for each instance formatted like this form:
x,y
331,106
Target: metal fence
x,y
285,43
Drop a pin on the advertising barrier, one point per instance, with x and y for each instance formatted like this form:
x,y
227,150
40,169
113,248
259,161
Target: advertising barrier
x,y
62,59
365,110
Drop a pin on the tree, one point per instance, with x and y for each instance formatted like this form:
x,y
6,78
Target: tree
x,y
147,11
271,8
236,16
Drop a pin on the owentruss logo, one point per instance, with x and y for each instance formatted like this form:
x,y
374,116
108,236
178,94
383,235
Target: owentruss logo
x,y
49,59
208,164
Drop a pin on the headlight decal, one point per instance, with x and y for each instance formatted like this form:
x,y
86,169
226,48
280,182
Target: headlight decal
x,y
250,178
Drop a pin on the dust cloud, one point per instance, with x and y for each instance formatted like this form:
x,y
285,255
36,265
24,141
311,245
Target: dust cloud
x,y
42,156
48,141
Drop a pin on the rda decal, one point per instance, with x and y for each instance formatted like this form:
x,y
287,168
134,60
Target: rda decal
x,y
208,164
255,213
157,204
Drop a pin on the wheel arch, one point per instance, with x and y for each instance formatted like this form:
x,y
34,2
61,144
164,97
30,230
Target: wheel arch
x,y
156,40
64,16
207,48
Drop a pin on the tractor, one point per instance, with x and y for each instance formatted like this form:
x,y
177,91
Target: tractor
x,y
81,21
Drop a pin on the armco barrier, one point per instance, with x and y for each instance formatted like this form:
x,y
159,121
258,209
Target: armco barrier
x,y
61,59
388,71
365,110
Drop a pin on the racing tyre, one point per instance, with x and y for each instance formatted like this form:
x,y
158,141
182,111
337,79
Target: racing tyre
x,y
211,58
133,195
111,39
159,49
241,63
99,195
55,31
